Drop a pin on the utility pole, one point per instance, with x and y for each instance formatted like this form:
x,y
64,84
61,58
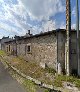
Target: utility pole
x,y
68,29
77,28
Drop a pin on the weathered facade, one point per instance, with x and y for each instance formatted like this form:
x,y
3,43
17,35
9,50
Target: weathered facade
x,y
45,48
3,40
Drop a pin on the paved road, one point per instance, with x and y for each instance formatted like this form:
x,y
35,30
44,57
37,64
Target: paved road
x,y
7,83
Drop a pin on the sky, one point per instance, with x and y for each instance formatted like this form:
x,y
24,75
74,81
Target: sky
x,y
18,16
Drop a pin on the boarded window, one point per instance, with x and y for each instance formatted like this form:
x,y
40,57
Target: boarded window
x,y
28,48
9,47
25,50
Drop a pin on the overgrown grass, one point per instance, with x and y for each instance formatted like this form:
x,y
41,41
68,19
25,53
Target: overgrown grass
x,y
2,53
31,69
46,90
77,83
30,86
59,79
50,70
34,70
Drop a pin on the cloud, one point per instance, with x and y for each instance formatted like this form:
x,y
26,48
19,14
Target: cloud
x,y
49,25
1,35
9,29
62,25
18,17
74,11
43,9
14,14
73,26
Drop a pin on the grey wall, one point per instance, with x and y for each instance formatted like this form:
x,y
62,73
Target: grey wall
x,y
73,53
61,49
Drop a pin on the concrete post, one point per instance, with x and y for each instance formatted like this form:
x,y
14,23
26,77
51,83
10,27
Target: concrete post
x,y
59,69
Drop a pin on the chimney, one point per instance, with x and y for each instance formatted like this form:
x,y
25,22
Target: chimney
x,y
12,37
29,32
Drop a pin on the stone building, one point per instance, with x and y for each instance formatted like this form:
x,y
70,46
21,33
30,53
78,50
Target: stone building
x,y
46,49
3,40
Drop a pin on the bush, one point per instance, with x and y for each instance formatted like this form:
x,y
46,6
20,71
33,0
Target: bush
x,y
50,70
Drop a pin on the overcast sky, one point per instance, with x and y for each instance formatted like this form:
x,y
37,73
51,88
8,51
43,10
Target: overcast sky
x,y
17,16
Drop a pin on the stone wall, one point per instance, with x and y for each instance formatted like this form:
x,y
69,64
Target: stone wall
x,y
46,49
43,49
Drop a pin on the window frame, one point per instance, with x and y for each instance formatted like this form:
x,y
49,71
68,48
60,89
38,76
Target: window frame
x,y
28,48
9,48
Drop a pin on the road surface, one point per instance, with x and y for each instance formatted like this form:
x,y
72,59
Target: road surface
x,y
7,83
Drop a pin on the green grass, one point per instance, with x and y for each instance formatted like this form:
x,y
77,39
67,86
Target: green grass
x,y
60,78
30,86
65,78
50,70
2,53
77,83
46,90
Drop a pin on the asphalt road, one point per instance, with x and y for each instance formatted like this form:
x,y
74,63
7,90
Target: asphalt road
x,y
7,83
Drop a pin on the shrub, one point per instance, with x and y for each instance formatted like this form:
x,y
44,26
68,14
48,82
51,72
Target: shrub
x,y
50,70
